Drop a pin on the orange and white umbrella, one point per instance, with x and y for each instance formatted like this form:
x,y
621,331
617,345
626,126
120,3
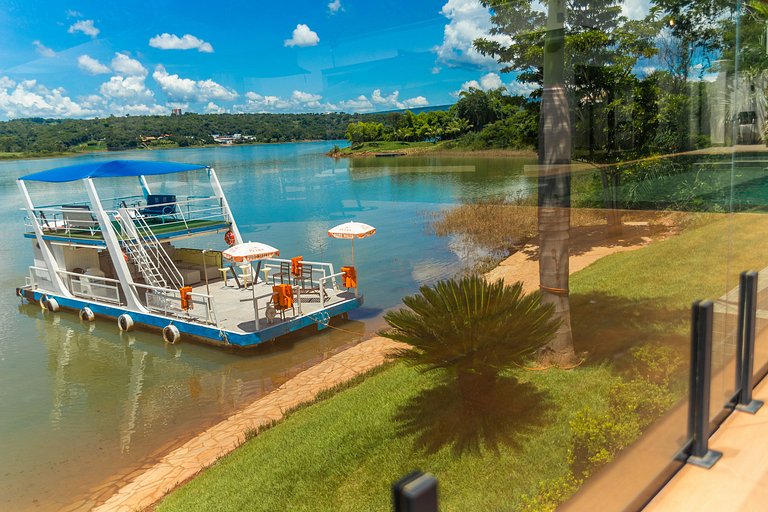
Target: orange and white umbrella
x,y
250,251
350,231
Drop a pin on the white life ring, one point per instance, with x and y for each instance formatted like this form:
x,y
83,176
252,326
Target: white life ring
x,y
52,304
87,315
171,334
125,322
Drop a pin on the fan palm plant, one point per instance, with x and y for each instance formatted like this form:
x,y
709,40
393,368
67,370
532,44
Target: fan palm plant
x,y
471,329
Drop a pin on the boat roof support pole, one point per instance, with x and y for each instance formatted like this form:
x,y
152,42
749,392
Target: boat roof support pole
x,y
144,185
45,250
113,246
219,192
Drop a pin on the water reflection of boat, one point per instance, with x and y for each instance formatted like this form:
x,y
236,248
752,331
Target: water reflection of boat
x,y
119,257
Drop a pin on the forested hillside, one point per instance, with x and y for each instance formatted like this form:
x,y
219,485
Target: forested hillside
x,y
42,136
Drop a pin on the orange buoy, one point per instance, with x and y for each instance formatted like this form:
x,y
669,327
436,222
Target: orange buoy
x,y
229,238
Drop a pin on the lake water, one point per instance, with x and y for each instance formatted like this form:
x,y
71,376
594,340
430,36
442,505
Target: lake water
x,y
84,406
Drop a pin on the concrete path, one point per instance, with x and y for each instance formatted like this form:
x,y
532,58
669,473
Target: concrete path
x,y
202,451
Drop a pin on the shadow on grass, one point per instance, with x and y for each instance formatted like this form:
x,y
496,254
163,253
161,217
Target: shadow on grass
x,y
500,414
607,327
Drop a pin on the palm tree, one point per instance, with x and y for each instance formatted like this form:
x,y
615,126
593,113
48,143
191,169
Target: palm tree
x,y
471,329
555,185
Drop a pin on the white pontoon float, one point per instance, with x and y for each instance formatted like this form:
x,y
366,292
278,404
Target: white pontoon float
x,y
119,258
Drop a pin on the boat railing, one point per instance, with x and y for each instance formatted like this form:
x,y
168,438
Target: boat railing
x,y
78,220
168,302
91,287
332,279
95,288
70,220
182,213
39,277
326,269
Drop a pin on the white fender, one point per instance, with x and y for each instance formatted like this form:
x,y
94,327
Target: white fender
x,y
125,322
87,315
52,304
171,334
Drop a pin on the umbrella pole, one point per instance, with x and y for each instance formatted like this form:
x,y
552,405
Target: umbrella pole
x,y
357,288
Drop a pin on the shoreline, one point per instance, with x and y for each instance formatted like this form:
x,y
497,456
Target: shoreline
x,y
73,154
185,462
439,152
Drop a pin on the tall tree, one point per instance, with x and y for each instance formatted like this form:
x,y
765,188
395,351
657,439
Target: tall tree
x,y
555,184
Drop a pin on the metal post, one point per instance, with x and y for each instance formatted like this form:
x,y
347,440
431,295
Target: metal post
x,y
745,343
416,492
702,313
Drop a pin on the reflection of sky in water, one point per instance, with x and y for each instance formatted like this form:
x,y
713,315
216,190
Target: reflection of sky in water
x,y
82,403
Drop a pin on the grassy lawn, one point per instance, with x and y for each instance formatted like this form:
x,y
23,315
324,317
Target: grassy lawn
x,y
645,295
343,453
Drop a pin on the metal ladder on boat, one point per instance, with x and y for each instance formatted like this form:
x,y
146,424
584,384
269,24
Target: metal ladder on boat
x,y
144,249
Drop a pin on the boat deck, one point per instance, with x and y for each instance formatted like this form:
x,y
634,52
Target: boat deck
x,y
234,305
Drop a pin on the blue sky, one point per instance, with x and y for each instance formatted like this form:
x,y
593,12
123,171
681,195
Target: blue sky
x,y
113,57
93,59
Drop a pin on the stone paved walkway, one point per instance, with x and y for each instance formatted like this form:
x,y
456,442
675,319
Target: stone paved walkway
x,y
202,451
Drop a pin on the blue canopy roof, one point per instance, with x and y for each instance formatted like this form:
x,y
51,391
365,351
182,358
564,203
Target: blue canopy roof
x,y
109,169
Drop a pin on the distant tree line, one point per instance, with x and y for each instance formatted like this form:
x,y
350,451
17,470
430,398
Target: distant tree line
x,y
37,135
479,119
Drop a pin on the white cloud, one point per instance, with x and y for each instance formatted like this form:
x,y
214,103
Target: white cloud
x,y
137,109
491,81
85,26
302,36
91,65
418,101
516,88
30,99
126,66
212,108
469,20
125,87
359,104
487,82
208,89
168,41
335,6
71,13
635,9
393,101
43,50
187,89
301,101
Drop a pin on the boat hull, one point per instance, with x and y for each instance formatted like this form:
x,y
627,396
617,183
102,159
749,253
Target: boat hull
x,y
206,333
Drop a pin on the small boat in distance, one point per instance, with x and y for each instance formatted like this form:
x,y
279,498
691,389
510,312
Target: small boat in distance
x,y
121,258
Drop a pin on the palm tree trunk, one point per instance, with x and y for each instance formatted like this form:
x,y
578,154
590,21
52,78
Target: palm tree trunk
x,y
555,186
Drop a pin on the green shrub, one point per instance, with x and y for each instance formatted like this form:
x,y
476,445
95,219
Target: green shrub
x,y
598,437
551,493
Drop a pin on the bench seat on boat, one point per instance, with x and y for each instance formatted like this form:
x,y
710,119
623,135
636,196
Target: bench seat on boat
x,y
190,276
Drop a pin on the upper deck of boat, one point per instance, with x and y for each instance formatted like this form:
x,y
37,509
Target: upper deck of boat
x,y
167,219
161,231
